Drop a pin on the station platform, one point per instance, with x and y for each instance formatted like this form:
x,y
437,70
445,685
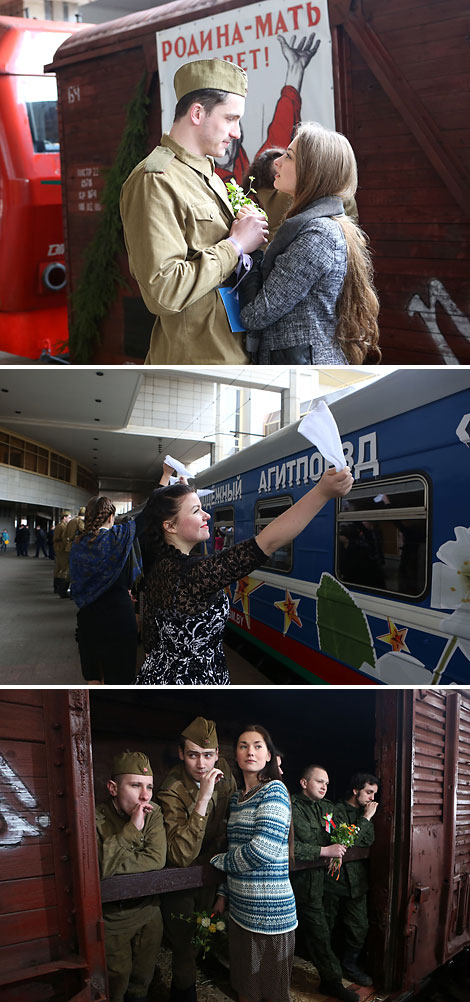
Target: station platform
x,y
38,644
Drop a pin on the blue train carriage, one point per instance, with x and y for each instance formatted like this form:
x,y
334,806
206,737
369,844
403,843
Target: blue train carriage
x,y
377,589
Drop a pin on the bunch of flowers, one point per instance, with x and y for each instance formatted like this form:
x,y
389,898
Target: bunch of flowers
x,y
238,199
343,834
206,929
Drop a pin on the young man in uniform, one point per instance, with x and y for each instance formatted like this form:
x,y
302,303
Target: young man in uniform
x,y
194,798
61,566
131,839
181,237
310,816
346,898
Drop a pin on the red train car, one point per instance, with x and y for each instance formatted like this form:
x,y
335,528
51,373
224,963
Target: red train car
x,y
416,740
33,310
401,79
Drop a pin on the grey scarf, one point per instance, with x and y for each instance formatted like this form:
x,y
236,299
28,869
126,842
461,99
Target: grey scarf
x,y
331,205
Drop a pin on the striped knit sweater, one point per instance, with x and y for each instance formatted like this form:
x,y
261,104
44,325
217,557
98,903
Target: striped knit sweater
x,y
257,861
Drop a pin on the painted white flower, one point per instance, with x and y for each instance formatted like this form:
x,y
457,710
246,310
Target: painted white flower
x,y
220,926
398,668
451,577
206,922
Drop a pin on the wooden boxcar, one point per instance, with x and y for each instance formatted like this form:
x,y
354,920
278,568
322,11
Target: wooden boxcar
x,y
401,82
356,597
416,740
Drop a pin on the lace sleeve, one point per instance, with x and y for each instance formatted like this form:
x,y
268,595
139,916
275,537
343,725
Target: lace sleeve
x,y
187,583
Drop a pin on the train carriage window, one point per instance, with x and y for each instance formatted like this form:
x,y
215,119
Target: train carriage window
x,y
39,95
265,511
224,527
382,536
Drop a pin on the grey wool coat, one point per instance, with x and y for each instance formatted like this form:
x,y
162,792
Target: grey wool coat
x,y
289,298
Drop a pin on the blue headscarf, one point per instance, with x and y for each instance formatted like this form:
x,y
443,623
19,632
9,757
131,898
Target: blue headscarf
x,y
95,564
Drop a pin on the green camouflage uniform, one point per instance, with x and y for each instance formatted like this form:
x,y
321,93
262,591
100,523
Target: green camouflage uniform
x,y
346,897
309,836
192,839
133,928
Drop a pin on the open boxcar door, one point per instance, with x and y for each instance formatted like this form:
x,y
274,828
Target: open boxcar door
x,y
431,878
51,933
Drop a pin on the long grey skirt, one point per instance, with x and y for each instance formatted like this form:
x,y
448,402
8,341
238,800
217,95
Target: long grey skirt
x,y
260,965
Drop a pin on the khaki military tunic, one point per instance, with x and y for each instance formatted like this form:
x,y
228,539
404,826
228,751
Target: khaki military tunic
x,y
61,566
75,526
176,217
133,927
191,839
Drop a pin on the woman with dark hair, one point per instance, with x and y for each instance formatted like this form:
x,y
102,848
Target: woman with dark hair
x,y
262,903
185,593
310,298
105,562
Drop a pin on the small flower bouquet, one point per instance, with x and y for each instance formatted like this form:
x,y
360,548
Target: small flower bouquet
x,y
343,834
238,199
207,930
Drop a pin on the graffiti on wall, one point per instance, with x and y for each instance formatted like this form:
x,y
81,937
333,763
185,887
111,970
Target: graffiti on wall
x,y
438,295
15,800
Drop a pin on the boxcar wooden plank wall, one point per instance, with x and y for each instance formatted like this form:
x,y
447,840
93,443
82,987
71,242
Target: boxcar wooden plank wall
x,y
418,230
402,79
46,948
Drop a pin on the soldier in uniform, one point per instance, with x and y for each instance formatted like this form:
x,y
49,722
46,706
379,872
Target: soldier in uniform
x,y
131,839
194,798
61,566
311,815
179,228
346,898
76,525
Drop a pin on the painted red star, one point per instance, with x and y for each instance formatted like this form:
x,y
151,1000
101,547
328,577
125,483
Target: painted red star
x,y
289,607
396,637
243,590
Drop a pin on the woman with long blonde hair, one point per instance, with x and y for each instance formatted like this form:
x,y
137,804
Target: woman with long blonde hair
x,y
310,297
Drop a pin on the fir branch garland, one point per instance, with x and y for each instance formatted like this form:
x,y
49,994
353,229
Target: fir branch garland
x,y
100,274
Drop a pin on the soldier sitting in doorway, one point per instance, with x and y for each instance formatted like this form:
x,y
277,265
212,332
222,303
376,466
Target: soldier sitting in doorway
x,y
131,839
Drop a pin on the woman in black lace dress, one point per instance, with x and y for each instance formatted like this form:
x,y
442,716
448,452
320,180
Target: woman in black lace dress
x,y
185,594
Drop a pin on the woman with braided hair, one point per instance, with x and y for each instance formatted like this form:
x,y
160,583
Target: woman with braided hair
x,y
185,594
105,562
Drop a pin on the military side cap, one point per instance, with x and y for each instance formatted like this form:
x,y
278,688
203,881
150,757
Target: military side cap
x,y
133,762
215,74
82,510
65,513
201,732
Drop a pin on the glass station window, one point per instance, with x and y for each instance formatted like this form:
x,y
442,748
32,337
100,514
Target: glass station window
x,y
39,95
265,511
224,527
382,536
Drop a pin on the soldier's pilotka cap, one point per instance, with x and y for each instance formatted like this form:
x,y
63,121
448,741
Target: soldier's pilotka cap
x,y
201,732
82,510
215,74
131,762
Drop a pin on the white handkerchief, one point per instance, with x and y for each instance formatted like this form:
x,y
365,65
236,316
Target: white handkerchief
x,y
177,466
320,428
204,492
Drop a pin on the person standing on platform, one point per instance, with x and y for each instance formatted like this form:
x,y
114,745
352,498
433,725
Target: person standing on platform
x,y
61,566
131,839
345,899
182,239
310,814
194,798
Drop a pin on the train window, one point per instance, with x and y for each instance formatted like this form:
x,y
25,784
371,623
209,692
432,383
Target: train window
x,y
39,94
265,511
224,527
382,536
